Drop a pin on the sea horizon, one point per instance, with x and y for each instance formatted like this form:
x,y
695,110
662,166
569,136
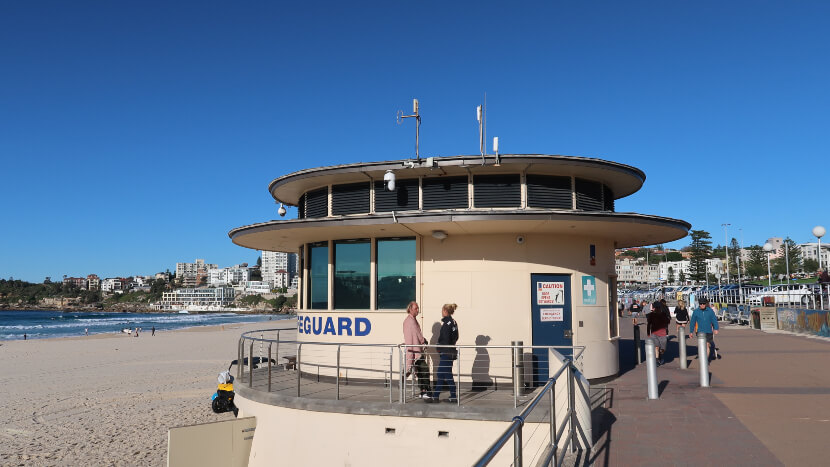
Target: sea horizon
x,y
46,324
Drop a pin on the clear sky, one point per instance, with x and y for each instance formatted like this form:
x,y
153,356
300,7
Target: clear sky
x,y
134,135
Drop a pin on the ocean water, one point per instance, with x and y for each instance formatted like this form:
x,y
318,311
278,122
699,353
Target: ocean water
x,y
41,324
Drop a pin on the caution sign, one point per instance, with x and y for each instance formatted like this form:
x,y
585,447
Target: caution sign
x,y
551,314
550,293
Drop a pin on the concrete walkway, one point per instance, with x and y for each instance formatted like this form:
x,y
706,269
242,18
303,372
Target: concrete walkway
x,y
767,405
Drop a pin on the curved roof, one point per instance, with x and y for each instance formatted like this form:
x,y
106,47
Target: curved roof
x,y
622,179
626,229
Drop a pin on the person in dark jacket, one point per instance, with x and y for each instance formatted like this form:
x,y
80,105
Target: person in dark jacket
x,y
447,337
657,328
681,315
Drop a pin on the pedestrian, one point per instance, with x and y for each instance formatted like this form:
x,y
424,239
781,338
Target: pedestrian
x,y
681,315
24,337
86,331
657,327
414,340
446,341
665,309
635,309
153,331
136,332
707,323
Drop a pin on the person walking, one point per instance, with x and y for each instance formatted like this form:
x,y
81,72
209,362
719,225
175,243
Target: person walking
x,y
707,323
635,309
681,316
153,331
657,327
447,337
415,357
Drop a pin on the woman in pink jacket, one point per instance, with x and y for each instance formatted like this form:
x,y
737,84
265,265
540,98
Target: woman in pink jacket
x,y
415,358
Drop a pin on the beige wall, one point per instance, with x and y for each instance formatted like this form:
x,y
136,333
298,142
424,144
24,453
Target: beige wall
x,y
488,276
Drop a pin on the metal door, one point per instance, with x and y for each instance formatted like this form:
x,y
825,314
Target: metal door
x,y
550,298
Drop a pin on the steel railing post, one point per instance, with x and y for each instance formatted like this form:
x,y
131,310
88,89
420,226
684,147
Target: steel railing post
x,y
553,439
338,371
297,366
251,365
401,376
518,371
681,341
572,403
651,369
458,387
277,356
269,367
391,359
637,351
703,359
240,353
517,445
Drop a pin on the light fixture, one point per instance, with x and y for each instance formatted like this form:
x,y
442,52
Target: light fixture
x,y
281,210
439,234
389,180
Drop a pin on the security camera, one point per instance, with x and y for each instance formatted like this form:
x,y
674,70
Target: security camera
x,y
389,180
520,239
281,210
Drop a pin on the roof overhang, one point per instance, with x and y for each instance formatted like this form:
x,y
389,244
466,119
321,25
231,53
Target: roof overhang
x,y
625,229
622,179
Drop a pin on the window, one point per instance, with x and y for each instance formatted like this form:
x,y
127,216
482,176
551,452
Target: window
x,y
396,273
351,274
317,203
318,283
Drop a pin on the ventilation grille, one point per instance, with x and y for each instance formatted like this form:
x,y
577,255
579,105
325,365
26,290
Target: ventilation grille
x,y
497,191
301,208
607,199
445,193
317,203
350,199
404,198
544,191
588,195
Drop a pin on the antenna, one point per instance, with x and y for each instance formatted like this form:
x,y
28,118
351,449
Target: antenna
x,y
481,116
417,116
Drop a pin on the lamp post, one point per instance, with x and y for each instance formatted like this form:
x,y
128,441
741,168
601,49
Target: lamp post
x,y
720,297
768,249
740,283
819,232
726,247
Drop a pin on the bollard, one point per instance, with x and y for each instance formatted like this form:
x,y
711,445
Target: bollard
x,y
637,354
651,369
703,359
682,342
518,369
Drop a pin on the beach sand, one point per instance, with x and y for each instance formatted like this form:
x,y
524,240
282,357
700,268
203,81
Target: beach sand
x,y
109,400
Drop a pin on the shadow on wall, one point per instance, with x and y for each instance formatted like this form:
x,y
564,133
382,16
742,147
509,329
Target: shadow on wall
x,y
481,366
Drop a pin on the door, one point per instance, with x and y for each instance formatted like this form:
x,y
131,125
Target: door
x,y
550,298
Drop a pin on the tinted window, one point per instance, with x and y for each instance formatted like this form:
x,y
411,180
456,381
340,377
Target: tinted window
x,y
318,281
396,273
351,274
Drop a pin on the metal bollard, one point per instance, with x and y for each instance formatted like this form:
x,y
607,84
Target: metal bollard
x,y
681,340
651,369
518,368
637,353
703,360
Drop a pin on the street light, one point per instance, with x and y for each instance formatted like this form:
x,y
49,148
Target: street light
x,y
768,248
720,297
819,232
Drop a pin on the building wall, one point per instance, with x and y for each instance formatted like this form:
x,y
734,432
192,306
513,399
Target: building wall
x,y
488,277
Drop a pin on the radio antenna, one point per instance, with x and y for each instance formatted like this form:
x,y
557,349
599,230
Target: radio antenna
x,y
417,117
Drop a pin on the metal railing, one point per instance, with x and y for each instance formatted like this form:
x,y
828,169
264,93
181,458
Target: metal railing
x,y
809,296
553,453
477,368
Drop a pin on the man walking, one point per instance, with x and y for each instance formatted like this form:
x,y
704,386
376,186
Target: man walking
x,y
707,323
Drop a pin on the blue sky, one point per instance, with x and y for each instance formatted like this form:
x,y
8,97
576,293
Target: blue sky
x,y
134,135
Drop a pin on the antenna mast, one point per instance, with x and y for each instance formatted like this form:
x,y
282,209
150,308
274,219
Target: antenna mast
x,y
417,117
481,116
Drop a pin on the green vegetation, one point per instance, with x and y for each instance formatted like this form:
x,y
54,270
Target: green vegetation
x,y
701,249
13,292
276,304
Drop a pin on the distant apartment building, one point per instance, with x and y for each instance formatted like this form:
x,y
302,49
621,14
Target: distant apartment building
x,y
257,287
205,296
193,274
79,282
810,251
238,274
635,271
112,284
93,282
278,268
777,245
677,267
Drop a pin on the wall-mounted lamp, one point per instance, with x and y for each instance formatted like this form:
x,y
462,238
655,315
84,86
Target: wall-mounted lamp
x,y
439,234
389,180
281,211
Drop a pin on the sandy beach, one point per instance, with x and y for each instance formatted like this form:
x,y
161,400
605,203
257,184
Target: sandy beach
x,y
109,400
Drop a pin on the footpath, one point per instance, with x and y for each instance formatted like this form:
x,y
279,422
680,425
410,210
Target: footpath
x,y
767,404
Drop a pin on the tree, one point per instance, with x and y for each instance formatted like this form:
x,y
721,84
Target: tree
x,y
671,275
682,277
734,252
789,249
674,256
756,265
259,262
701,249
810,265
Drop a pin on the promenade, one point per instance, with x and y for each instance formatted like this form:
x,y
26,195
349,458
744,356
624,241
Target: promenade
x,y
767,404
